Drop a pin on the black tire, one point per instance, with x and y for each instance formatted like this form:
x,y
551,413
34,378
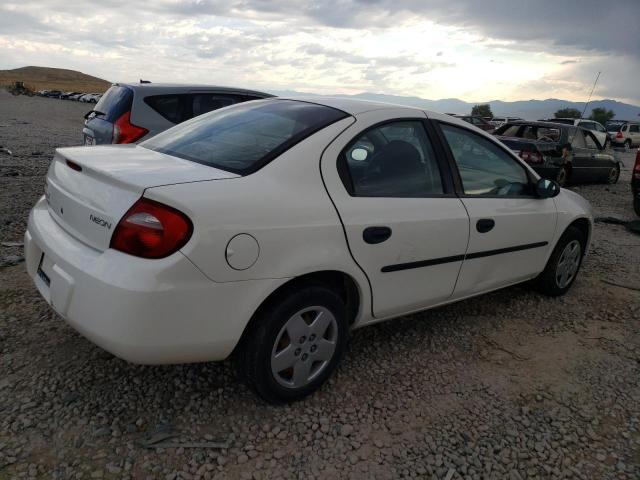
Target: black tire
x,y
562,177
255,353
547,282
627,144
636,205
614,175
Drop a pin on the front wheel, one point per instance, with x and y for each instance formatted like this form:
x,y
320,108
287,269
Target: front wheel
x,y
295,343
614,175
563,265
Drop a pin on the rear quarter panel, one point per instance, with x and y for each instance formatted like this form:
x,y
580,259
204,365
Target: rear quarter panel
x,y
284,206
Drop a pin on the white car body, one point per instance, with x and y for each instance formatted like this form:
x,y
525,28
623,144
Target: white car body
x,y
255,233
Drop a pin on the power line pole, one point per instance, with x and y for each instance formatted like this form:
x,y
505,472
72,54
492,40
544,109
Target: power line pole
x,y
589,100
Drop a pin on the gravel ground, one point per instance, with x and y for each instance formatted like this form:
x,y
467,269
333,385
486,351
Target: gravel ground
x,y
510,385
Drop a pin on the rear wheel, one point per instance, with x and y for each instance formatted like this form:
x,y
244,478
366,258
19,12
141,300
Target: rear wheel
x,y
563,265
627,144
295,344
562,177
614,175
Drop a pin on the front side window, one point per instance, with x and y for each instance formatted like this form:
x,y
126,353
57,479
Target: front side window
x,y
246,136
485,169
392,160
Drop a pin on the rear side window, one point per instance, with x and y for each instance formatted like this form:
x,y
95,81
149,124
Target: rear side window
x,y
178,108
114,103
634,128
171,107
246,136
392,160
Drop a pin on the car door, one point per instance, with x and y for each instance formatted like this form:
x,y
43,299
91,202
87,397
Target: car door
x,y
404,225
510,228
581,158
600,162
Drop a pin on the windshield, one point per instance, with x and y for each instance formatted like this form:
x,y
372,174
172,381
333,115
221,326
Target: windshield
x,y
244,137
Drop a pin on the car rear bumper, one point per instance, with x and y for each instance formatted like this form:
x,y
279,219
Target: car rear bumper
x,y
144,311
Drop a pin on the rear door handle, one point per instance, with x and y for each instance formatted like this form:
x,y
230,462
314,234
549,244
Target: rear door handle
x,y
485,224
376,234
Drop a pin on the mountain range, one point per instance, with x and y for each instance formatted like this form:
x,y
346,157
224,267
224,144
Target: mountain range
x,y
71,80
527,109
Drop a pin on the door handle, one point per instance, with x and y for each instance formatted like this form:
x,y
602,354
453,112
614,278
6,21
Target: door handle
x,y
485,224
376,234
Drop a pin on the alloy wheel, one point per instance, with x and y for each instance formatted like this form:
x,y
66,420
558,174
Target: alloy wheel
x,y
568,263
304,347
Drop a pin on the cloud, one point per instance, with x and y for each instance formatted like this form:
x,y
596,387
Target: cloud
x,y
433,48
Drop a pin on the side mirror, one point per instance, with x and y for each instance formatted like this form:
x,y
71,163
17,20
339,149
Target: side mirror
x,y
546,188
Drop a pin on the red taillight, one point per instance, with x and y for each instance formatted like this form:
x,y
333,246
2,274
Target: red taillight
x,y
126,132
636,167
619,135
151,230
531,157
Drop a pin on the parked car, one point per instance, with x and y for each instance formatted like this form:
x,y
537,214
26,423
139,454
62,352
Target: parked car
x,y
562,152
499,121
635,184
90,98
596,128
132,112
76,96
625,135
66,95
271,228
53,94
477,121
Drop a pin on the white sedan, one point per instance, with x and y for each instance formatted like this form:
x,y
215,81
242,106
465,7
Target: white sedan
x,y
272,228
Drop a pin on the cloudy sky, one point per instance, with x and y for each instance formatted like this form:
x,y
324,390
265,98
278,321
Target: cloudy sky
x,y
468,49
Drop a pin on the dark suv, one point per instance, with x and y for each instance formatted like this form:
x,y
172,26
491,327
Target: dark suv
x,y
129,113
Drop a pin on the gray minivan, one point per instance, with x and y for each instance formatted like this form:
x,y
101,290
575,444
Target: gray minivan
x,y
131,112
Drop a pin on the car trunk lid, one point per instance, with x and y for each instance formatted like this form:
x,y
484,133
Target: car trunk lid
x,y
89,189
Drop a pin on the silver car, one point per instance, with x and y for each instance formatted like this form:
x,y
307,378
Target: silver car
x,y
130,112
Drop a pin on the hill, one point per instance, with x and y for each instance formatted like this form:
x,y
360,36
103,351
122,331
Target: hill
x,y
528,109
45,78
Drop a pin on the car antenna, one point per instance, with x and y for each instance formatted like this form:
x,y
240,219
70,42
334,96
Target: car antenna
x,y
589,100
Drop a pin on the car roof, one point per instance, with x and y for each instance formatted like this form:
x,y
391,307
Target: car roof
x,y
187,88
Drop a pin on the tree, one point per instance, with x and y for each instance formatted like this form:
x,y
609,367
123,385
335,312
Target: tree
x,y
483,110
601,115
568,113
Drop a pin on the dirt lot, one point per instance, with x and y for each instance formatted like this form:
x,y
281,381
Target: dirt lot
x,y
510,385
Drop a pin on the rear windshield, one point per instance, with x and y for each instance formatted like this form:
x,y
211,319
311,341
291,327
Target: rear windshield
x,y
244,137
614,127
116,101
